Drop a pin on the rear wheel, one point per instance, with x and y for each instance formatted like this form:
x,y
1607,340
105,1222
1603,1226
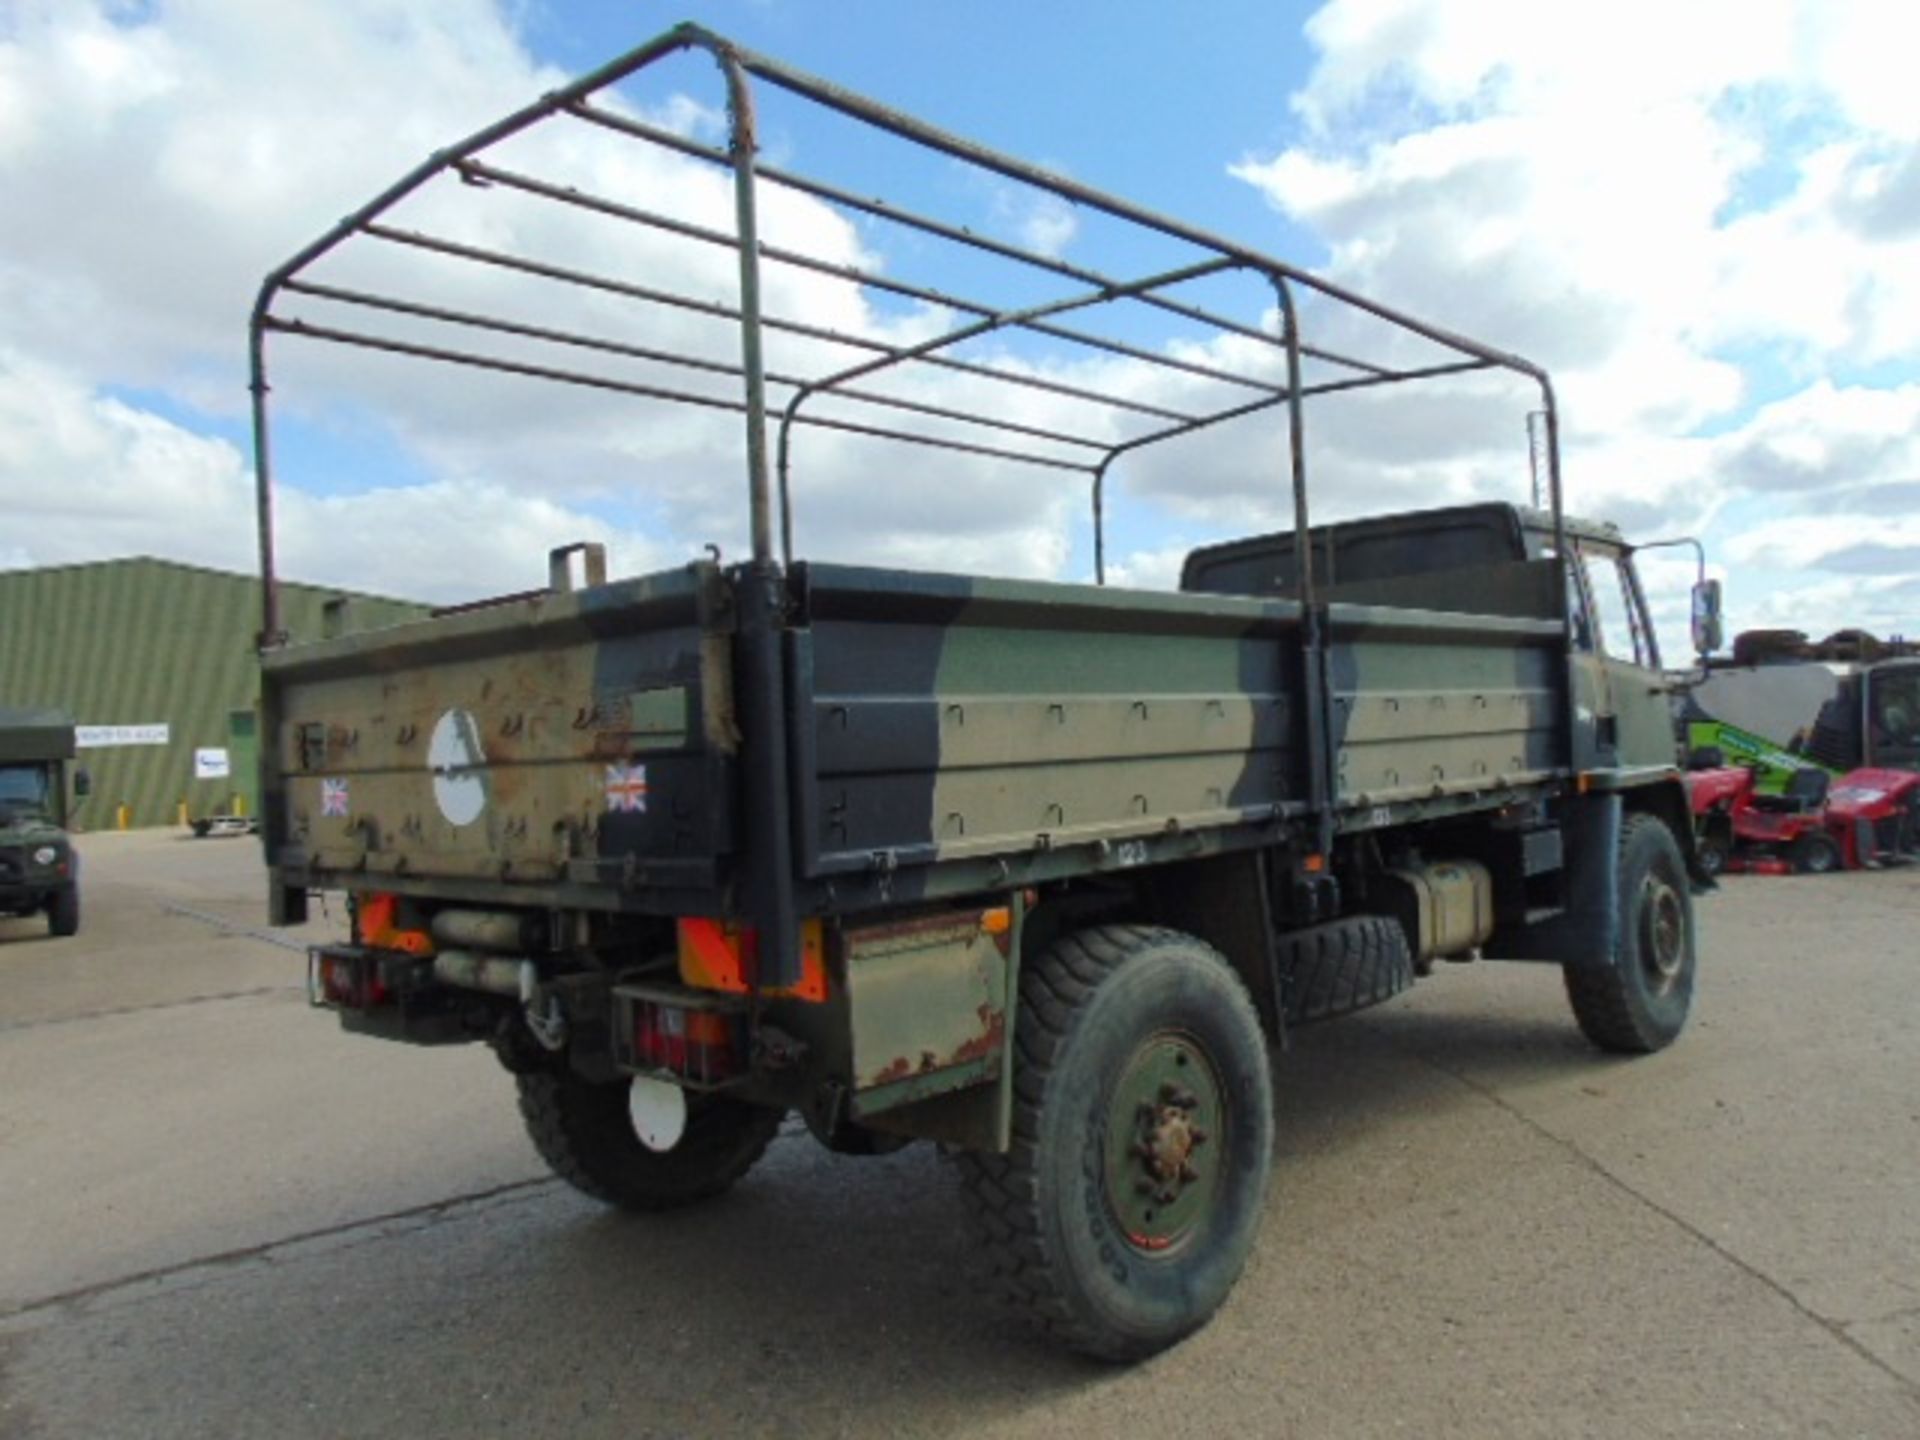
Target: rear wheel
x,y
1143,1133
63,911
1639,1002
590,1135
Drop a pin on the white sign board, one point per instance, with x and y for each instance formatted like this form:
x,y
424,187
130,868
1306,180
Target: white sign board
x,y
95,737
210,764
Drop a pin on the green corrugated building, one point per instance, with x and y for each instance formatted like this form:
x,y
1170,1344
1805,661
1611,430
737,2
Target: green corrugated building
x,y
150,656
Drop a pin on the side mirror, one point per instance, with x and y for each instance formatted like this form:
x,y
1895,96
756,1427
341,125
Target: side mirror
x,y
82,784
1708,632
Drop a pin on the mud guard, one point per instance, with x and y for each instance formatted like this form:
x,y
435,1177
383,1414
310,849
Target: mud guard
x,y
1587,931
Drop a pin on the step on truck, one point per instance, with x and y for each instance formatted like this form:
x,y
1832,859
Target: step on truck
x,y
1043,873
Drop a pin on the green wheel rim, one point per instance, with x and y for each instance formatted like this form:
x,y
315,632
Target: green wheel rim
x,y
1166,1141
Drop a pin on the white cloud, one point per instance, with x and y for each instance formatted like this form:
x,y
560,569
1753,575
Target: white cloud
x,y
111,480
1826,439
1605,193
1149,569
156,166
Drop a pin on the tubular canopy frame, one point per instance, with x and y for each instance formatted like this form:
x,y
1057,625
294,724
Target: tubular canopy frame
x,y
988,427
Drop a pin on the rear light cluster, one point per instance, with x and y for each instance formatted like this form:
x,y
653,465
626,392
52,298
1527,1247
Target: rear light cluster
x,y
695,1037
346,979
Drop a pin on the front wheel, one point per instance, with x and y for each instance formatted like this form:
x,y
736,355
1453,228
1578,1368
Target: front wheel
x,y
590,1136
1143,1134
1638,1002
63,912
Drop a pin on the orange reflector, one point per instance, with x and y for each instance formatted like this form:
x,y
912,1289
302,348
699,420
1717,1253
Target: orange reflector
x,y
375,925
997,921
720,955
1313,864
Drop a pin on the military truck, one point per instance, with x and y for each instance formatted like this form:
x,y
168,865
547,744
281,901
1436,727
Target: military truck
x,y
39,868
1040,872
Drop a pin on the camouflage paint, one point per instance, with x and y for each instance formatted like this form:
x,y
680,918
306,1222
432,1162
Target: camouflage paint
x,y
596,726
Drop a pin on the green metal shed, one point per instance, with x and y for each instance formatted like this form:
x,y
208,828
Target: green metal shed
x,y
150,657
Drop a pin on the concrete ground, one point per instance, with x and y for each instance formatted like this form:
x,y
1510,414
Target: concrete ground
x,y
221,1217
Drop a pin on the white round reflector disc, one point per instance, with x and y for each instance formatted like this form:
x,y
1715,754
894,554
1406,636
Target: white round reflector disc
x,y
459,768
659,1111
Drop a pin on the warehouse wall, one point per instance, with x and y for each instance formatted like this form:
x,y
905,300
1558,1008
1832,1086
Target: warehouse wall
x,y
146,642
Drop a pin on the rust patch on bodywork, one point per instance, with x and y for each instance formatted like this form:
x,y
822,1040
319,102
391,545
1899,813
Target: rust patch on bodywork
x,y
928,998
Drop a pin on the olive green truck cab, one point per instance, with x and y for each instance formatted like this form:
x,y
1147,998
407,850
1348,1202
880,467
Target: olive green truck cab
x,y
39,868
1041,872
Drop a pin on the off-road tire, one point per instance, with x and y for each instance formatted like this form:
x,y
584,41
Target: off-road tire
x,y
1090,1006
1815,854
585,1134
1635,1005
63,911
1347,965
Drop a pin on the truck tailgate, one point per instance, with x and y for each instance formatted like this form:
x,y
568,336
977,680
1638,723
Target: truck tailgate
x,y
579,737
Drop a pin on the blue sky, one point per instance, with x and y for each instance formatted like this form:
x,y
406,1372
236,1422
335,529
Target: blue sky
x,y
1714,242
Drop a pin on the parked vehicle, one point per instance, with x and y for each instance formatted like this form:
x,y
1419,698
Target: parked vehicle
x,y
239,814
1811,822
39,868
1036,871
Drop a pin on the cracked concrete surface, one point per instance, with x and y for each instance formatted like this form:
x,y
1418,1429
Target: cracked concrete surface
x,y
223,1217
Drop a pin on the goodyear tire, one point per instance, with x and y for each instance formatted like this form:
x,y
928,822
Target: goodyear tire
x,y
1639,1002
63,912
1142,1142
585,1134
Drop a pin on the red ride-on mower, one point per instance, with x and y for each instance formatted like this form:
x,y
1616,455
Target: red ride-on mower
x,y
1868,817
1740,829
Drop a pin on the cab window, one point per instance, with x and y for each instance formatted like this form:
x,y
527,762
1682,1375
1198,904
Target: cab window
x,y
1623,628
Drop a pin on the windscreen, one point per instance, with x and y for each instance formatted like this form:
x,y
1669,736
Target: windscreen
x,y
1363,552
23,787
1893,716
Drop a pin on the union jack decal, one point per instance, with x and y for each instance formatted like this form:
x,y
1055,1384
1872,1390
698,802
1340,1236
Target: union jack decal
x,y
627,788
333,797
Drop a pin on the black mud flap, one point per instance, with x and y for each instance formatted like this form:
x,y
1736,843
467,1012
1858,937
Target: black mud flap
x,y
1586,931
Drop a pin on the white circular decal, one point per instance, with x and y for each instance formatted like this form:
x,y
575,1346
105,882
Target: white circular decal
x,y
659,1111
459,768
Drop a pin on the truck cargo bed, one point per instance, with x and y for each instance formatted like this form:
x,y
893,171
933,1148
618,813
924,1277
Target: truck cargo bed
x,y
583,742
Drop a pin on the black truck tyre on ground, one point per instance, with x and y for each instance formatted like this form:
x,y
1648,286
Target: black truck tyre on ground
x,y
1343,966
1639,1002
1142,1142
63,911
585,1134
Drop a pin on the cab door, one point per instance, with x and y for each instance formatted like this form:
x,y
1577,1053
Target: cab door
x,y
1633,718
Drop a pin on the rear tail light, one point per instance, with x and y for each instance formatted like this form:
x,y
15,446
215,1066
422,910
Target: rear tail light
x,y
345,980
692,1043
697,1038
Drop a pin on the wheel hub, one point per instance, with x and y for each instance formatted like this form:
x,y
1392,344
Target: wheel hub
x,y
1162,1164
1663,937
